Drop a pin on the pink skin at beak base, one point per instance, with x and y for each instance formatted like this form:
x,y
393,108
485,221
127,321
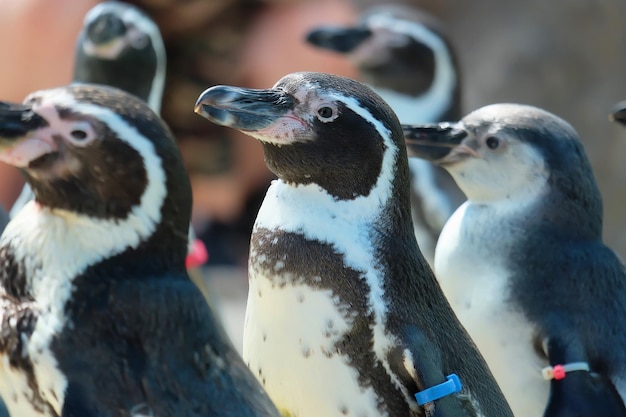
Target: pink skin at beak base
x,y
282,132
27,150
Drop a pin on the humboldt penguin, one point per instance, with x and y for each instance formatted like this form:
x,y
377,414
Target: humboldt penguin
x,y
344,315
523,264
98,316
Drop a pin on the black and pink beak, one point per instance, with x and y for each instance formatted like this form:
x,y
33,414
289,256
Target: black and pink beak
x,y
18,144
243,109
433,142
18,123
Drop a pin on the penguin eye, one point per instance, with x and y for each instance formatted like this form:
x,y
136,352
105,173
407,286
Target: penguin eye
x,y
326,114
80,133
138,39
492,142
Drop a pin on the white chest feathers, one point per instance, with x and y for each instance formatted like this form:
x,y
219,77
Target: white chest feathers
x,y
469,266
52,247
298,314
289,344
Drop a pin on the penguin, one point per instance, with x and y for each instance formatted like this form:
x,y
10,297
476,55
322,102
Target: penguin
x,y
98,315
523,264
344,316
407,57
618,113
121,46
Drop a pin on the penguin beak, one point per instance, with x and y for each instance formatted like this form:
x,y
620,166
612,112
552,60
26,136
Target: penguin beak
x,y
18,146
343,40
105,28
104,37
435,142
243,109
16,121
618,113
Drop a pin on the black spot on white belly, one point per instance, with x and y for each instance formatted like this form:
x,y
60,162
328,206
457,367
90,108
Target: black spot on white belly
x,y
315,266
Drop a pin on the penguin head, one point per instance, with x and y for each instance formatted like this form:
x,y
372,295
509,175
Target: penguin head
x,y
119,45
316,128
513,153
394,46
98,154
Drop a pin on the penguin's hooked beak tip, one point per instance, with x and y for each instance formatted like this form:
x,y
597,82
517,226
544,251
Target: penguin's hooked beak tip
x,y
433,142
218,96
212,104
243,109
618,113
200,109
19,142
16,121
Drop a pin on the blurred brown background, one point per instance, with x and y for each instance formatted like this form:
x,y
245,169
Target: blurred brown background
x,y
566,56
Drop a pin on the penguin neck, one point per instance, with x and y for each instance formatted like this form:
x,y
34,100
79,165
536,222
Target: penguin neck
x,y
440,101
147,85
310,210
543,209
574,219
50,248
506,211
157,87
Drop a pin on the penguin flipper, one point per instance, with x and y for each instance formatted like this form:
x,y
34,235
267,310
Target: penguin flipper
x,y
77,404
584,394
428,371
579,393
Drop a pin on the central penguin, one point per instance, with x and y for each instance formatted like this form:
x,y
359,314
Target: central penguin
x,y
344,315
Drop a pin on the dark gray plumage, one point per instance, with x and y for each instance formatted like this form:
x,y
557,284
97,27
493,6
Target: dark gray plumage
x,y
341,299
523,263
98,316
408,59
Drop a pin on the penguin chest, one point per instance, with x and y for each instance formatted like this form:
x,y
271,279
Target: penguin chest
x,y
315,334
469,267
291,338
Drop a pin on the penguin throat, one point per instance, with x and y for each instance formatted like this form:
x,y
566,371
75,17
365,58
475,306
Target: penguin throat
x,y
345,179
54,246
